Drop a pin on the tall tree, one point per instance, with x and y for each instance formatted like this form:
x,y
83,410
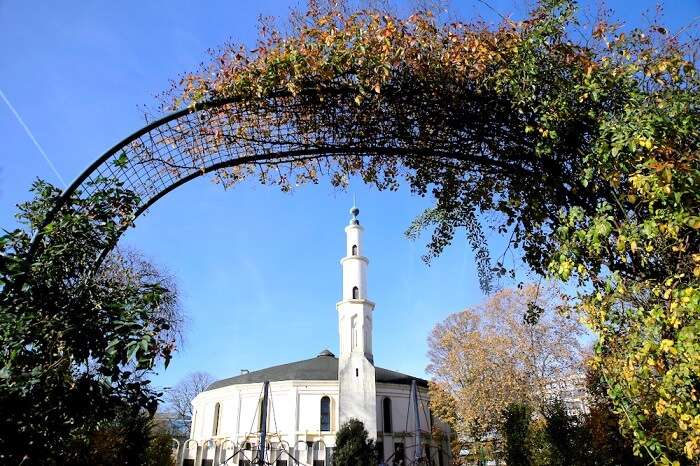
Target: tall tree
x,y
602,424
564,434
517,418
485,358
77,343
130,267
180,396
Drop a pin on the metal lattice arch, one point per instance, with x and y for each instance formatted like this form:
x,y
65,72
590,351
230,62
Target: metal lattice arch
x,y
265,137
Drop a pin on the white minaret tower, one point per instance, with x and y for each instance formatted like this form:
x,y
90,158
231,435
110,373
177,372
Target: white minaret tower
x,y
356,364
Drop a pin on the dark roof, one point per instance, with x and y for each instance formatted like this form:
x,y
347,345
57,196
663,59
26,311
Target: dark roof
x,y
322,367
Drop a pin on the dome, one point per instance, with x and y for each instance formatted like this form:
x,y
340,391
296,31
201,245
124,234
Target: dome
x,y
322,367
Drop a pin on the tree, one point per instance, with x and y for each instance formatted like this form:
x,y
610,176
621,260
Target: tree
x,y
181,395
122,439
602,425
160,447
484,359
129,438
585,152
353,447
564,434
77,343
516,432
130,267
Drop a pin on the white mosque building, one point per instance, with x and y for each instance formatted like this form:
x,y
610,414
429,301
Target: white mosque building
x,y
309,400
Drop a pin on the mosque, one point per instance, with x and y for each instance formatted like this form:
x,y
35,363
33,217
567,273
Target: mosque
x,y
307,401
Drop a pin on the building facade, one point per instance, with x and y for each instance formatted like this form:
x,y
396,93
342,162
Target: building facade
x,y
309,400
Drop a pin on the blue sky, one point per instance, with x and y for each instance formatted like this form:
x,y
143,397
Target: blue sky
x,y
258,269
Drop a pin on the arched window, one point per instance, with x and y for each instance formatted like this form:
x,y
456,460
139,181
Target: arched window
x,y
355,292
354,249
325,414
386,411
217,417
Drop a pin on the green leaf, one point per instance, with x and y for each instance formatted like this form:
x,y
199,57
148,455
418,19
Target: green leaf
x,y
122,161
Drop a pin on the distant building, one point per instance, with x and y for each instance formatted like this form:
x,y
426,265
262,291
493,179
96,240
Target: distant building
x,y
173,424
311,399
571,390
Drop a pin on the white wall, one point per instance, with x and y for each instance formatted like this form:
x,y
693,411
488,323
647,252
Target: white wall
x,y
297,410
403,421
296,406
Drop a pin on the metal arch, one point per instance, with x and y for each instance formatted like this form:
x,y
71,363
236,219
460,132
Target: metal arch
x,y
206,137
80,179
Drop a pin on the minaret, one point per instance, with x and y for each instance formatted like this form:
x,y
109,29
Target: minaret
x,y
356,364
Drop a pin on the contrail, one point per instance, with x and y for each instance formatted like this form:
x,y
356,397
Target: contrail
x,y
31,136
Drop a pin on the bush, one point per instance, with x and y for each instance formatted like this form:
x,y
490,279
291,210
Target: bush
x,y
516,433
353,447
563,434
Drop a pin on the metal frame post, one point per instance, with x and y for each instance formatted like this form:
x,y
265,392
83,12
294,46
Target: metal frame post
x,y
263,423
418,452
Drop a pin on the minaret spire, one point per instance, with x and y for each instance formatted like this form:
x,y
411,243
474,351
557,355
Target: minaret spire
x,y
356,362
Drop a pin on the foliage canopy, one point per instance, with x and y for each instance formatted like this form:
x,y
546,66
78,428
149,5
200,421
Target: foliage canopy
x,y
77,344
486,358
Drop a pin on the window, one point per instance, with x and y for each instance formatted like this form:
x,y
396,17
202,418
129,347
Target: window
x,y
441,461
354,249
217,418
309,452
399,455
325,414
189,453
355,292
254,454
379,446
244,458
386,412
276,453
319,458
208,450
